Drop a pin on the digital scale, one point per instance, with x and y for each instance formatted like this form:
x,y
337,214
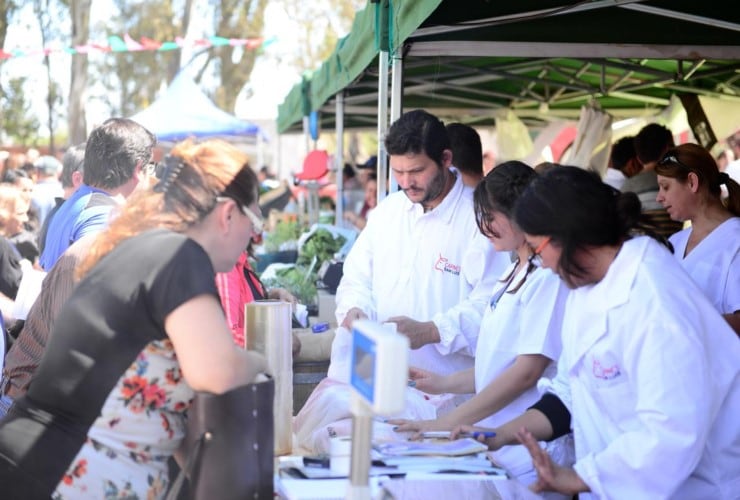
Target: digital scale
x,y
378,376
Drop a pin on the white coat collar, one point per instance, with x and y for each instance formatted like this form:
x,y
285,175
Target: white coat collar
x,y
446,209
591,303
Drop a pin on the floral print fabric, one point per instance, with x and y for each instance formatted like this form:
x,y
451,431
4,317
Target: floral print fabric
x,y
140,426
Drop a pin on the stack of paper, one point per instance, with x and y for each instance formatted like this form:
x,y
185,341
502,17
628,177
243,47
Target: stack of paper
x,y
458,447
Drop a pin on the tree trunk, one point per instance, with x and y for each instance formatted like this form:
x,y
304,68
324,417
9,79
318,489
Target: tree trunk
x,y
80,13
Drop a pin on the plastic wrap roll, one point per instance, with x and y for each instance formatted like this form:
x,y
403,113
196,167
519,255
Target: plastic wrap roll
x,y
268,330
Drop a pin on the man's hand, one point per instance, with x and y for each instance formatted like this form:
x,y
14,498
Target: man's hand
x,y
352,315
550,476
419,333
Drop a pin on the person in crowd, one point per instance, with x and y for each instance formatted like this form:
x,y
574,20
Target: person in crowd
x,y
519,334
11,273
241,285
648,379
651,143
420,263
723,156
365,169
13,217
20,179
467,152
623,162
70,179
350,180
709,250
32,336
116,155
106,407
370,201
47,187
24,356
733,167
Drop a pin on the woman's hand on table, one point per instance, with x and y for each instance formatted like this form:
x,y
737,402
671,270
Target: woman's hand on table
x,y
550,476
480,434
282,294
416,428
426,381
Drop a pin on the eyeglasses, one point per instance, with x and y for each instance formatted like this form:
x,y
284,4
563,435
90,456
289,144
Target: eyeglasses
x,y
673,159
257,223
536,258
150,168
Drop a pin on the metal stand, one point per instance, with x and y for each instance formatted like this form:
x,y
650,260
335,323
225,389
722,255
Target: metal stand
x,y
362,434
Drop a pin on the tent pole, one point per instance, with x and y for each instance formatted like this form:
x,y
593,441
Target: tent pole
x,y
382,122
306,135
339,158
396,100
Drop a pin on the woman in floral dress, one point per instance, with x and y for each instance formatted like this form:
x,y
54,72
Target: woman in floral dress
x,y
142,330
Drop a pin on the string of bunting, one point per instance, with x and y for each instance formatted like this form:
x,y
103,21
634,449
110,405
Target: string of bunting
x,y
128,44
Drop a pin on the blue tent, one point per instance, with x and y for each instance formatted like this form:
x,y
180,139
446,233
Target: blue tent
x,y
185,111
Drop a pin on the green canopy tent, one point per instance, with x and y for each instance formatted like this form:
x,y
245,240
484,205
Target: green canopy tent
x,y
543,59
539,58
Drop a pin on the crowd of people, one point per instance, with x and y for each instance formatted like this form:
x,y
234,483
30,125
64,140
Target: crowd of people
x,y
591,323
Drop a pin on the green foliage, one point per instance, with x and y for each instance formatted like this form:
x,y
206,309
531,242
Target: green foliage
x,y
282,232
295,280
18,122
322,245
301,279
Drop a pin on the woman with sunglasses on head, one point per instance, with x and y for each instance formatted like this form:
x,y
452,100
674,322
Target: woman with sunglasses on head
x,y
648,379
690,185
520,331
141,331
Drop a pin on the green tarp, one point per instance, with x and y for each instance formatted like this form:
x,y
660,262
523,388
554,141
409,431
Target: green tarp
x,y
469,58
354,54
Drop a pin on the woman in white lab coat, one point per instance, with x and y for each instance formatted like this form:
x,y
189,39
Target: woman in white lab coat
x,y
690,188
520,331
648,379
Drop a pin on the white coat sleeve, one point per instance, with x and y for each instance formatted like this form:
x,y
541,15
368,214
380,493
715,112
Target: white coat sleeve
x,y
458,327
731,295
558,385
355,287
665,363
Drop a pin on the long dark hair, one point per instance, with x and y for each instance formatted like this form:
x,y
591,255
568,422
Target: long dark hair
x,y
577,210
499,192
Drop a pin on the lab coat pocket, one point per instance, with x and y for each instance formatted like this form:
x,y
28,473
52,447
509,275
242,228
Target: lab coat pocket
x,y
610,386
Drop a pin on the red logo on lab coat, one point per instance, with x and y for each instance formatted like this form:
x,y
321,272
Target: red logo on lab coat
x,y
605,373
444,265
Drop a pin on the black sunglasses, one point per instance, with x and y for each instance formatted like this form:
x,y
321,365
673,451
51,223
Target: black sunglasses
x,y
673,159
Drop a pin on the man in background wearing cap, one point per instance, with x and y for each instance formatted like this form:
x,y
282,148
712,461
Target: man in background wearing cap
x,y
47,187
70,178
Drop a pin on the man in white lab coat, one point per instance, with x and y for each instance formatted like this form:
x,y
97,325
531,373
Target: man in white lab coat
x,y
421,261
